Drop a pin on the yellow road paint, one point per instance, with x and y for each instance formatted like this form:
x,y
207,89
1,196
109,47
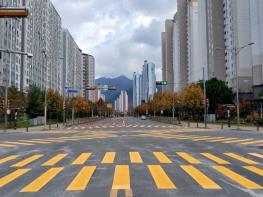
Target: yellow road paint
x,y
121,178
215,159
160,177
240,158
243,181
200,178
188,158
109,157
237,141
81,181
253,142
8,158
12,176
42,180
54,159
207,138
31,141
162,158
254,169
81,159
28,160
135,157
256,155
18,143
222,140
8,145
47,140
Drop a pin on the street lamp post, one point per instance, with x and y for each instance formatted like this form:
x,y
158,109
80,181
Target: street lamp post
x,y
29,55
236,53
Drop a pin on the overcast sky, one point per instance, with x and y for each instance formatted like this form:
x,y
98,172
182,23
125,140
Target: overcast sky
x,y
121,34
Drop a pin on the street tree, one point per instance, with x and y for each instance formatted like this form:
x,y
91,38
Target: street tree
x,y
35,97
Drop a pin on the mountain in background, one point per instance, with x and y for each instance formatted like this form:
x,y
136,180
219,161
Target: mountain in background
x,y
121,83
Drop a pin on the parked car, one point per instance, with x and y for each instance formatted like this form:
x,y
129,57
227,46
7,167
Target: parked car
x,y
143,117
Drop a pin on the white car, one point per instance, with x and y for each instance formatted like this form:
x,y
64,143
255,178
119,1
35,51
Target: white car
x,y
143,117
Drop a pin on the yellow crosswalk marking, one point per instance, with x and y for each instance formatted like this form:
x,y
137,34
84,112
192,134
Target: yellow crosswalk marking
x,y
81,181
12,176
32,141
42,180
48,140
207,138
256,155
254,169
162,158
81,159
240,158
160,177
8,158
121,178
135,157
188,158
18,143
253,142
222,140
200,178
237,141
243,181
109,157
54,159
28,160
8,145
215,158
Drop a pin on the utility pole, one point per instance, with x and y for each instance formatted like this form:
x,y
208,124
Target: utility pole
x,y
205,111
237,90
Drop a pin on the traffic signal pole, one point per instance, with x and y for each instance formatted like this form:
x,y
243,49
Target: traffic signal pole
x,y
205,108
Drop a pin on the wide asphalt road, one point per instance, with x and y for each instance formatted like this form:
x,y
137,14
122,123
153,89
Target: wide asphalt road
x,y
131,157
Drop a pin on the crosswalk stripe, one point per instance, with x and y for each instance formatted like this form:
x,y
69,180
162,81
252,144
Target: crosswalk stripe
x,y
42,180
188,158
135,157
31,141
81,181
254,169
240,158
222,140
12,176
121,178
81,159
8,158
207,138
200,177
256,155
109,157
54,160
237,178
215,158
19,143
237,141
160,177
8,145
28,160
48,140
253,142
161,157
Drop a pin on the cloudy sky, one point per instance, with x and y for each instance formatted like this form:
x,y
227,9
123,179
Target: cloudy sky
x,y
121,34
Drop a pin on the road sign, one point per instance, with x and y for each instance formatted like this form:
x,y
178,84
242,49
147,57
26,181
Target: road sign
x,y
8,111
174,110
71,91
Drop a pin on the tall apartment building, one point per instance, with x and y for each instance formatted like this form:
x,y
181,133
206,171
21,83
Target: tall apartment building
x,y
72,64
121,103
10,38
167,46
137,81
144,84
88,76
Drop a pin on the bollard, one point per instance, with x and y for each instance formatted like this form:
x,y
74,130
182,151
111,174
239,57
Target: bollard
x,y
27,128
49,126
222,125
188,123
197,125
57,124
257,127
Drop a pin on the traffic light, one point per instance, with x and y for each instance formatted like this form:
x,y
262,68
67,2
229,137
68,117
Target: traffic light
x,y
2,103
161,83
13,12
8,104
